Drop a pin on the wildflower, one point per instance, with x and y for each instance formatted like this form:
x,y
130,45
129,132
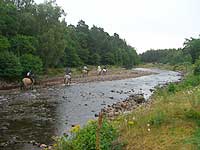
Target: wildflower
x,y
75,129
148,125
149,129
130,123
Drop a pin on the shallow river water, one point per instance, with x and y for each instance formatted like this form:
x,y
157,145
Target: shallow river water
x,y
42,113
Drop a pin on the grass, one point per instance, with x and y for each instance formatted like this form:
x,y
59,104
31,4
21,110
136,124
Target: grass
x,y
171,121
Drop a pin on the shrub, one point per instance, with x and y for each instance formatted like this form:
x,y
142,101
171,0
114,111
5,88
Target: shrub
x,y
30,62
10,67
85,138
171,88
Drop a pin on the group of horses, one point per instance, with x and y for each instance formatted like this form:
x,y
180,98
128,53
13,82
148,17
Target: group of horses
x,y
28,83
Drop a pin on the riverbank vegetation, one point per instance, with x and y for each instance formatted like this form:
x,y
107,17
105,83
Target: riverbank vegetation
x,y
36,37
170,122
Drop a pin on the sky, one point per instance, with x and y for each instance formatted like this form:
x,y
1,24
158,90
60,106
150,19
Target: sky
x,y
144,24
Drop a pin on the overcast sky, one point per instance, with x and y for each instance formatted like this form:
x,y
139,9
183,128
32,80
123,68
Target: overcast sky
x,y
144,24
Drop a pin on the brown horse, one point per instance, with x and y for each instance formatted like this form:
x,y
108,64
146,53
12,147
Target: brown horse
x,y
27,83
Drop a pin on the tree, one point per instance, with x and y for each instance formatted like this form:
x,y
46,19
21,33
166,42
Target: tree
x,y
192,47
4,43
31,62
22,44
8,19
72,58
52,47
10,67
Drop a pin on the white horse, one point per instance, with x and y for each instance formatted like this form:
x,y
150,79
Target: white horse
x,y
67,79
99,70
85,72
103,71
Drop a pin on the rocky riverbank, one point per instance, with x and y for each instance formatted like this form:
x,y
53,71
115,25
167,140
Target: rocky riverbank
x,y
129,104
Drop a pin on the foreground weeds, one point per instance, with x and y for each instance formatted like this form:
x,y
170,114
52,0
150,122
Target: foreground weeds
x,y
86,138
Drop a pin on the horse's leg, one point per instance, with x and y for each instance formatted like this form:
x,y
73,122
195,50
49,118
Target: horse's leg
x,y
64,80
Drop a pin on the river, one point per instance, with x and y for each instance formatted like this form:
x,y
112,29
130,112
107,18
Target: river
x,y
42,113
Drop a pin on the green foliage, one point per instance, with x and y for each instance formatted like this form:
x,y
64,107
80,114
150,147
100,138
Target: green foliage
x,y
85,138
192,47
190,81
94,59
10,67
197,67
4,43
193,114
30,62
171,88
166,56
8,19
72,58
21,45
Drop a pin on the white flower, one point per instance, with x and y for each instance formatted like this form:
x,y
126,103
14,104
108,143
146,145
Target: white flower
x,y
149,129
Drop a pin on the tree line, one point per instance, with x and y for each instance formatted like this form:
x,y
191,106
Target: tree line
x,y
190,53
37,37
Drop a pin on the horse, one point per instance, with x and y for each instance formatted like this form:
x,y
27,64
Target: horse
x,y
104,71
27,83
85,72
99,70
67,79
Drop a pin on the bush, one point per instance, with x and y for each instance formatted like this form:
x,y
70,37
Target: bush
x,y
30,62
10,67
171,88
85,138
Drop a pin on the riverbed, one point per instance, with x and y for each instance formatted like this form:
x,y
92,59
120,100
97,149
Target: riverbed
x,y
42,113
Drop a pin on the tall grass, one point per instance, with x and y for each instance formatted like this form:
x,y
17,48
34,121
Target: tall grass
x,y
171,121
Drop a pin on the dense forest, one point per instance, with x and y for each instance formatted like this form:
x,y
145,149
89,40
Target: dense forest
x,y
190,53
37,37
